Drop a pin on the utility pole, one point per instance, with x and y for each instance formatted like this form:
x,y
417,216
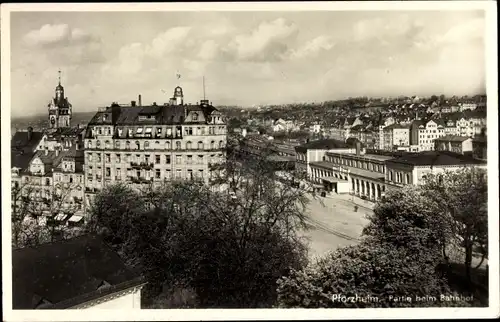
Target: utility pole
x,y
204,98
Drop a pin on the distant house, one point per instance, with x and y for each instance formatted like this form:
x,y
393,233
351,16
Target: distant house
x,y
453,143
468,106
23,147
79,273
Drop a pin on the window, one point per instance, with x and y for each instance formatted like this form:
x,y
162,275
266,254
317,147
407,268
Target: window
x,y
200,145
139,131
127,145
221,144
200,173
146,158
212,145
169,132
108,157
89,144
188,145
167,159
195,117
98,144
99,157
408,178
146,145
137,145
157,144
99,131
202,131
106,144
178,159
178,173
178,145
200,159
167,174
189,159
390,175
118,158
188,131
118,173
108,172
190,174
157,174
47,182
138,172
70,179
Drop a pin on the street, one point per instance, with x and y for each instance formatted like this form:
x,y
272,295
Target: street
x,y
333,223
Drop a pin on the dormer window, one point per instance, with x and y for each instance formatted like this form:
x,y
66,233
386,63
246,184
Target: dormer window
x,y
195,117
104,117
139,131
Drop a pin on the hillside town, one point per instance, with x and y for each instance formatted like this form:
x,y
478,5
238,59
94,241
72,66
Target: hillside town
x,y
364,153
227,160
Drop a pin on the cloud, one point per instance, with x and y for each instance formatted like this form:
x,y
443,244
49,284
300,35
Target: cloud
x,y
169,41
209,50
268,42
313,47
57,35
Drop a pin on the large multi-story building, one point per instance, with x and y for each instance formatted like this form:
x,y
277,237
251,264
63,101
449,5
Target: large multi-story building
x,y
150,144
412,168
369,175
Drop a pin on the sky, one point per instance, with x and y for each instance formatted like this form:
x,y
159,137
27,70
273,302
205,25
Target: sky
x,y
247,58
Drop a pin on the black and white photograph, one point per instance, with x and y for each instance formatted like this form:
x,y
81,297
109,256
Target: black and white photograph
x,y
159,160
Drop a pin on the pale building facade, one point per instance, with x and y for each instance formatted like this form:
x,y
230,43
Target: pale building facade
x,y
454,143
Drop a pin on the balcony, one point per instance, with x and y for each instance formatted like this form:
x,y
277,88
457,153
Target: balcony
x,y
142,165
140,180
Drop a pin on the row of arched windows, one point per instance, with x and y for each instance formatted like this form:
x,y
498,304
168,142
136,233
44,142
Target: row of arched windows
x,y
167,145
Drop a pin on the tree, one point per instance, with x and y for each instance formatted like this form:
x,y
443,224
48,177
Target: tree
x,y
227,241
398,257
462,198
374,275
35,214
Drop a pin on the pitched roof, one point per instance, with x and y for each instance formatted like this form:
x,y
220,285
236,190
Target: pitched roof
x,y
452,138
436,158
22,149
326,144
67,273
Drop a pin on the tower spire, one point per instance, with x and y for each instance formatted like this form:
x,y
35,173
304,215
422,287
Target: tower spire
x,y
59,76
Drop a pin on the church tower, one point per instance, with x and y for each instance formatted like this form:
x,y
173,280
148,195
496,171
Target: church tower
x,y
60,109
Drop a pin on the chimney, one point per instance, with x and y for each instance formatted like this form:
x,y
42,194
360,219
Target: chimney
x,y
140,100
132,103
57,152
358,148
154,103
30,133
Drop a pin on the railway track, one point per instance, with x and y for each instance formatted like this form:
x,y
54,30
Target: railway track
x,y
323,227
